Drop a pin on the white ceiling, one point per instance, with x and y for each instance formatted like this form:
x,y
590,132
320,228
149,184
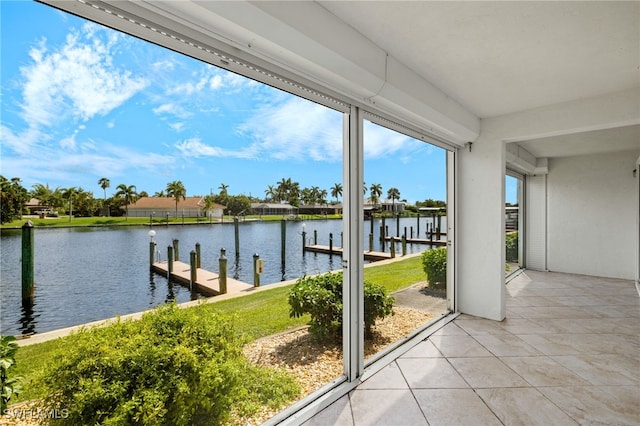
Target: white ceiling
x,y
616,139
497,58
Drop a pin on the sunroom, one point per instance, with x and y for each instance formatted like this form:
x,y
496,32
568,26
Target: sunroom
x,y
543,97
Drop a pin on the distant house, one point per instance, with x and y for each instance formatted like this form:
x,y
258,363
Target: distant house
x,y
36,206
320,209
383,206
273,209
159,207
392,206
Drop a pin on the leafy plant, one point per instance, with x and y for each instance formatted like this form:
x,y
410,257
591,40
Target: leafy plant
x,y
9,385
321,297
434,263
172,367
511,246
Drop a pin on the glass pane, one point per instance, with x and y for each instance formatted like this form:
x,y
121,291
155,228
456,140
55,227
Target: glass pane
x,y
513,198
405,229
200,164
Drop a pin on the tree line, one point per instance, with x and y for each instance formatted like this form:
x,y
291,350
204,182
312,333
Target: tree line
x,y
76,201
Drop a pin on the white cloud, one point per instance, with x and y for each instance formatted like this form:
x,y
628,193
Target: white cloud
x,y
194,147
72,168
295,130
380,141
178,127
215,82
164,65
77,79
172,109
22,143
69,142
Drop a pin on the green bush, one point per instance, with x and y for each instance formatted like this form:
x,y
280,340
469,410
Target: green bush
x,y
511,246
172,367
321,297
434,263
9,386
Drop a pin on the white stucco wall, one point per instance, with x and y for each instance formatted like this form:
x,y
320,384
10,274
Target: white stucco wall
x,y
592,214
480,229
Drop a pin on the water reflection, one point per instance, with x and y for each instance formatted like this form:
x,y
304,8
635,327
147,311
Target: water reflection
x,y
27,319
152,285
170,294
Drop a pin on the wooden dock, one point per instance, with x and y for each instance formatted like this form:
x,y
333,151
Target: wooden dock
x,y
418,241
368,255
207,283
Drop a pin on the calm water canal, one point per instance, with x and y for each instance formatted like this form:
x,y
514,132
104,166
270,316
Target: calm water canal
x,y
88,274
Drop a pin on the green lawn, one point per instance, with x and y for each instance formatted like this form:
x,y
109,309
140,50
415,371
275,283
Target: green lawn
x,y
64,221
255,315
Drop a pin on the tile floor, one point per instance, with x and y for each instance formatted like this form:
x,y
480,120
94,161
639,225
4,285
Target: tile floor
x,y
568,353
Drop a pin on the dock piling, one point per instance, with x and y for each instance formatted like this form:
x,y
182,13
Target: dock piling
x,y
27,263
371,241
198,257
283,239
256,273
169,261
404,244
176,249
392,248
304,240
223,271
315,237
152,252
330,244
194,269
236,234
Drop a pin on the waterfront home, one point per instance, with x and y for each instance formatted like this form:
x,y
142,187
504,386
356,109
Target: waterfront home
x,y
161,207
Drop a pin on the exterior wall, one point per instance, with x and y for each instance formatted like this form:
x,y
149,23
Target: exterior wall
x,y
480,229
592,214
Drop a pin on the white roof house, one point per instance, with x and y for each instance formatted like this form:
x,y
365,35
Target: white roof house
x,y
548,92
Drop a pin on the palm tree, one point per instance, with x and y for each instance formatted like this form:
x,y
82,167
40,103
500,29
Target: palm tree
x,y
323,196
159,194
336,191
176,190
104,184
49,198
208,204
271,193
223,189
394,194
128,195
69,194
376,192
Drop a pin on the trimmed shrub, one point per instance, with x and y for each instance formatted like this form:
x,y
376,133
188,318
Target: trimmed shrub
x,y
172,367
434,263
511,246
321,297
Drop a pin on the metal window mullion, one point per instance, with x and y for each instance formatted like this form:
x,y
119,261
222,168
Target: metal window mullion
x,y
451,230
353,263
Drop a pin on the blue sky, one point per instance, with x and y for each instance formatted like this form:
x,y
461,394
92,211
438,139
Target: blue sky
x,y
80,102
